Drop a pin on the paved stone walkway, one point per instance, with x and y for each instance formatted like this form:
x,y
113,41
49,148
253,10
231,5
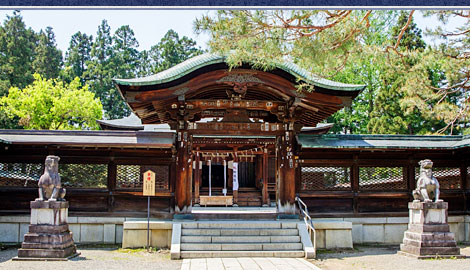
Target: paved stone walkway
x,y
247,264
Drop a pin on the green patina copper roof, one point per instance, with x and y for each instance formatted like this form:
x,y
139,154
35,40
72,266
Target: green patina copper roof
x,y
383,141
207,59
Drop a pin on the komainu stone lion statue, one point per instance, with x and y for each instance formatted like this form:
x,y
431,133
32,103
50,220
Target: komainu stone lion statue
x,y
427,186
50,187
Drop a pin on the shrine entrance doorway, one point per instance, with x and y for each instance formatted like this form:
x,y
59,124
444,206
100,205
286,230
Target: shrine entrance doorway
x,y
218,160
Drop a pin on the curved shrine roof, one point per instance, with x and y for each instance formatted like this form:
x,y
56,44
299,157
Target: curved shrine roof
x,y
207,59
205,80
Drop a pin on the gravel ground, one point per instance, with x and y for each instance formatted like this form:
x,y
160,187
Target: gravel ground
x,y
362,257
385,258
98,258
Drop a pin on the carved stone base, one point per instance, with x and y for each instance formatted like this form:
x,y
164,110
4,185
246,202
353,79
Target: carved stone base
x,y
49,236
428,234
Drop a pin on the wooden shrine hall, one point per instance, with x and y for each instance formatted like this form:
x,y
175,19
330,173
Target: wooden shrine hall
x,y
220,136
254,119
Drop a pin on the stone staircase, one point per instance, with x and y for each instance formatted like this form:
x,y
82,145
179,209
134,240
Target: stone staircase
x,y
241,239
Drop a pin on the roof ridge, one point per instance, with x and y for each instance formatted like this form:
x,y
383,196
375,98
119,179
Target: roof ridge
x,y
206,59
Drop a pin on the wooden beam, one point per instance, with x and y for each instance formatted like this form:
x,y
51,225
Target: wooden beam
x,y
223,104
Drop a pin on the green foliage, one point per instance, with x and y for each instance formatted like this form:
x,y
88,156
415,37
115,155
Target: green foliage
x,y
101,70
53,104
84,175
17,51
412,36
409,89
47,58
172,50
77,56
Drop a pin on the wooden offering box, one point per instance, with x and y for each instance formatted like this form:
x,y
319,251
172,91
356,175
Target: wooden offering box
x,y
216,200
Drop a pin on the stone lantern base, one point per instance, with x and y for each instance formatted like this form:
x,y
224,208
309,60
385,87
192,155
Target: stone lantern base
x,y
428,234
49,237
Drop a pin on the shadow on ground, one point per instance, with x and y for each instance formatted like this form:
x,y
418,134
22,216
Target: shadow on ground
x,y
358,251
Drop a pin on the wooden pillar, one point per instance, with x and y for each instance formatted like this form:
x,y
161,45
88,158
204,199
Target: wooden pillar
x,y
197,176
265,177
286,189
355,182
183,178
258,171
112,172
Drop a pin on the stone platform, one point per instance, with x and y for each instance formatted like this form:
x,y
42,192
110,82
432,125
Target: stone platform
x,y
49,237
428,234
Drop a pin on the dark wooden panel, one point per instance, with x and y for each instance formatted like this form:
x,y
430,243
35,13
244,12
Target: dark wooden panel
x,y
365,204
328,205
88,203
139,204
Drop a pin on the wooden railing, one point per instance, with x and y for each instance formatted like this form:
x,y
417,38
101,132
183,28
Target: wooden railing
x,y
308,222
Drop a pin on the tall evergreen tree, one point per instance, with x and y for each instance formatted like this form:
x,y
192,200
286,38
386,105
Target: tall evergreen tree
x,y
172,50
389,115
77,55
47,58
126,56
17,51
101,70
412,38
16,55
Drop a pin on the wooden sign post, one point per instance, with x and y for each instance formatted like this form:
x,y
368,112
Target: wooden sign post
x,y
148,190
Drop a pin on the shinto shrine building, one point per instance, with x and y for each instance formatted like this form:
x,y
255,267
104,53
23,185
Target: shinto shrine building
x,y
199,124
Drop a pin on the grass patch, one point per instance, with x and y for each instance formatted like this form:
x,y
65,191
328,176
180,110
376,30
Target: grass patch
x,y
143,249
338,250
5,246
98,246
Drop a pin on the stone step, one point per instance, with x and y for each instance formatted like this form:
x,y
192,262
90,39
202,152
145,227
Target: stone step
x,y
239,232
428,243
237,254
239,225
430,250
235,216
240,246
47,238
419,228
238,239
32,245
436,236
52,229
46,253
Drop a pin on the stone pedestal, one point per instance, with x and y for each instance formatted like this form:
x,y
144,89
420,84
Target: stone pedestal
x,y
49,237
428,234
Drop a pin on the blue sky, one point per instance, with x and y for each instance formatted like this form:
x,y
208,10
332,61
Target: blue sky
x,y
149,25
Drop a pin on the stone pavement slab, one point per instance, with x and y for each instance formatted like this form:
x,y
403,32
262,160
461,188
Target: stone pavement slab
x,y
247,263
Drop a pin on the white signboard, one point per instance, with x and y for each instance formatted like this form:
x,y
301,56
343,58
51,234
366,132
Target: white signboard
x,y
235,175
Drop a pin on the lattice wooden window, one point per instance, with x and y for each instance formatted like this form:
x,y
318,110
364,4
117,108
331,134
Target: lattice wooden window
x,y
325,178
468,177
130,176
381,178
20,174
448,177
84,175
